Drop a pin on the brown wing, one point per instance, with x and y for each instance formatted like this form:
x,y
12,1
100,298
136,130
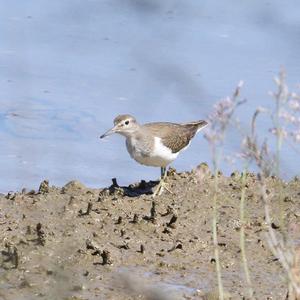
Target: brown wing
x,y
175,136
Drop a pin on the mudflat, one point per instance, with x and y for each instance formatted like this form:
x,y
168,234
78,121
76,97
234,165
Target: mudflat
x,y
74,242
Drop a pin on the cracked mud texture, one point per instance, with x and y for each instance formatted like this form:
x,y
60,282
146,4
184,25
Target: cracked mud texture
x,y
76,242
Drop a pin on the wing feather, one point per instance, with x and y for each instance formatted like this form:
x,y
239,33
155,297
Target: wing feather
x,y
175,136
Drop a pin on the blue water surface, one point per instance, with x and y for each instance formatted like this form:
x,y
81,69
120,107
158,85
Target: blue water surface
x,y
67,68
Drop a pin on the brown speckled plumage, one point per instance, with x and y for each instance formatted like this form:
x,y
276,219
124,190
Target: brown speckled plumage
x,y
154,144
174,136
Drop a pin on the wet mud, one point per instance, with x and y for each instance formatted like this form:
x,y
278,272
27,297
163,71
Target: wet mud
x,y
74,242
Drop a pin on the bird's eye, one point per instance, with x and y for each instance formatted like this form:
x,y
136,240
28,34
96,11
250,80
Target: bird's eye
x,y
126,122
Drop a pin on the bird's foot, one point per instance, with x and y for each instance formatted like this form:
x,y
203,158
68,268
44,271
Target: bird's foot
x,y
162,185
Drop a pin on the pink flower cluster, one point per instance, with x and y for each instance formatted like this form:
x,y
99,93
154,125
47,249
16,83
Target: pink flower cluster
x,y
291,117
221,116
288,109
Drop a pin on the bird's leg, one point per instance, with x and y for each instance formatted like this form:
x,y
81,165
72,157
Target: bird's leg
x,y
163,172
162,184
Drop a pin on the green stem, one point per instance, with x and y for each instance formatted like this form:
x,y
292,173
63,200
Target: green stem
x,y
214,225
278,137
279,140
242,236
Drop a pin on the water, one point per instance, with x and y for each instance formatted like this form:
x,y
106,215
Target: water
x,y
164,286
68,68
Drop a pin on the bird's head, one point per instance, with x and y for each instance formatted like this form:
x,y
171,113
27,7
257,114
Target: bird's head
x,y
124,125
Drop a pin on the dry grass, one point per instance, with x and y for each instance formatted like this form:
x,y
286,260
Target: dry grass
x,y
255,150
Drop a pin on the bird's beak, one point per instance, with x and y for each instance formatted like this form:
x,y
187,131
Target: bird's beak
x,y
109,132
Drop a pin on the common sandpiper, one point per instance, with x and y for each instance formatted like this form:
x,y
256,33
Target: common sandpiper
x,y
155,144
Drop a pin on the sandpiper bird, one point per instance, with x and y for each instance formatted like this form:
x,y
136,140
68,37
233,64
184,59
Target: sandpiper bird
x,y
155,144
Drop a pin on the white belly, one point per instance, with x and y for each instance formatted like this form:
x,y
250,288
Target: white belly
x,y
160,156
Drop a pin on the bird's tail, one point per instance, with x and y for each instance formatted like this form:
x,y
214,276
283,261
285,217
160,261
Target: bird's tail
x,y
199,124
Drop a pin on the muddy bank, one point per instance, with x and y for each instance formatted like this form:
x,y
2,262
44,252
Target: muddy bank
x,y
115,243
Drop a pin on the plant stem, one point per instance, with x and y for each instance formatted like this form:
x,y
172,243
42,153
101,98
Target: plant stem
x,y
242,236
278,136
280,99
278,245
215,233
